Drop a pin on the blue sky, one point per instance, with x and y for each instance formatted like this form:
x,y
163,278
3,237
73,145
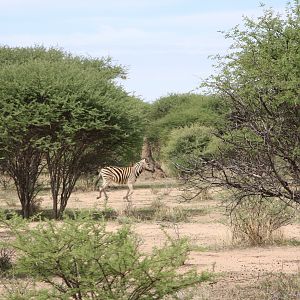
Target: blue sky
x,y
164,44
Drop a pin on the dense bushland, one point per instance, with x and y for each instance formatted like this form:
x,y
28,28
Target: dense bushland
x,y
259,149
182,125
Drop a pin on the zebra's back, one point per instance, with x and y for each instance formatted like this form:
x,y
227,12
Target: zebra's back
x,y
117,174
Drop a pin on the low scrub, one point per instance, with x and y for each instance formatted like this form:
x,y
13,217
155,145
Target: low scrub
x,y
281,286
80,259
256,221
161,212
158,211
6,260
47,214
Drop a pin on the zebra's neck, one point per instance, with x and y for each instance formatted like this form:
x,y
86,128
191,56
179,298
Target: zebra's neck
x,y
138,169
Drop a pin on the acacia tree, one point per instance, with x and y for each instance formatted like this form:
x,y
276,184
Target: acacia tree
x,y
73,113
20,123
259,154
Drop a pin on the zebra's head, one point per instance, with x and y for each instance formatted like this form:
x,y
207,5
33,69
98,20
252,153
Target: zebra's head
x,y
148,165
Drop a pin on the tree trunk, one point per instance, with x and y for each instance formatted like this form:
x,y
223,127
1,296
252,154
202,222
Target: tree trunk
x,y
147,153
64,171
26,211
24,167
55,212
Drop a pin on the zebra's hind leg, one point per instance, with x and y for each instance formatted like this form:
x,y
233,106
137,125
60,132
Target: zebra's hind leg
x,y
100,192
102,189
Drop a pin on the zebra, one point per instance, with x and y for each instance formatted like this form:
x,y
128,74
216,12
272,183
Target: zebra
x,y
123,175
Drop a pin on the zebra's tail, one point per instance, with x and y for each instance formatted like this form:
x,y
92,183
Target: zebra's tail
x,y
96,182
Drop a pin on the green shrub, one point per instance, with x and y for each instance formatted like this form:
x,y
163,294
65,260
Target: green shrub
x,y
178,110
187,143
80,259
22,289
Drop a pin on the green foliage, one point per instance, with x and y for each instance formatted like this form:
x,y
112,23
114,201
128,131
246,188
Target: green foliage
x,y
163,106
265,60
259,78
67,109
259,82
180,110
188,143
183,115
94,263
59,99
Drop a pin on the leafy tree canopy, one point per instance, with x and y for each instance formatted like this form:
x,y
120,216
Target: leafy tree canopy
x,y
54,96
259,81
67,109
188,143
179,110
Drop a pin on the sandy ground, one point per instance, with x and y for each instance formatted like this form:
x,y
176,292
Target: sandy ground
x,y
206,231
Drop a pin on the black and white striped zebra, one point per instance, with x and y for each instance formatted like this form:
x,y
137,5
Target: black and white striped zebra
x,y
125,175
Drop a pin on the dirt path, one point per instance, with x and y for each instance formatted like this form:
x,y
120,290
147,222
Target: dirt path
x,y
250,260
210,238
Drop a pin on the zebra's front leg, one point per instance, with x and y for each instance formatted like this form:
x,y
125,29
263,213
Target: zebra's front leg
x,y
129,192
100,192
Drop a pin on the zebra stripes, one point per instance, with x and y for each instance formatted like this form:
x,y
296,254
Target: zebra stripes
x,y
126,175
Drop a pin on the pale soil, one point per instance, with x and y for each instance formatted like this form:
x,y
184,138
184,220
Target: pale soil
x,y
208,232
